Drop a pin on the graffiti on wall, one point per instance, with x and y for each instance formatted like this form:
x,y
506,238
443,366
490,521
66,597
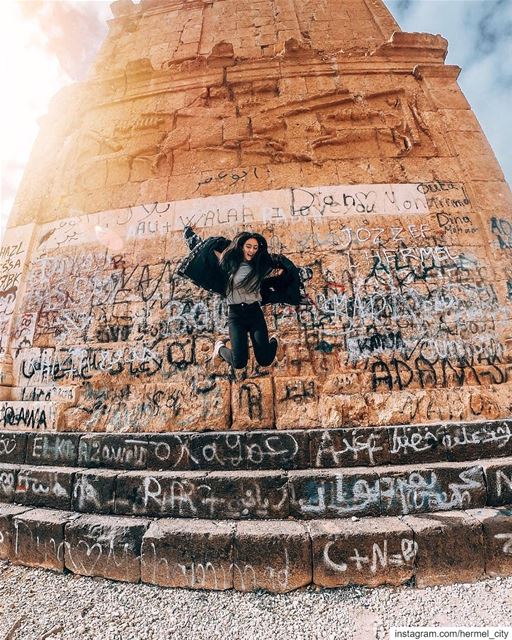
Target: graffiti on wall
x,y
403,300
13,254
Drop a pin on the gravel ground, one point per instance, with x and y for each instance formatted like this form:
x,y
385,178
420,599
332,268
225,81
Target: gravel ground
x,y
40,605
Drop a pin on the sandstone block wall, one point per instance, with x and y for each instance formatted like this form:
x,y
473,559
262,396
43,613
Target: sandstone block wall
x,y
346,142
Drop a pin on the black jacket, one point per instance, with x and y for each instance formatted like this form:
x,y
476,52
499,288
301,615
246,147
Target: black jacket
x,y
201,266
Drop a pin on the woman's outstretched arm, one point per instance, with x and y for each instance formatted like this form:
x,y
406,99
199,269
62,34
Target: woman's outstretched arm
x,y
192,240
191,237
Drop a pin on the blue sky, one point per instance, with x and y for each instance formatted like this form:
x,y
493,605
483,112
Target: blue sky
x,y
50,43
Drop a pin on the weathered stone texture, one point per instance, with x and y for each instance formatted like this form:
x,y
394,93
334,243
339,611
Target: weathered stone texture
x,y
369,552
7,513
255,494
428,489
350,146
105,546
197,554
218,495
349,447
40,416
158,494
252,404
498,476
243,450
168,451
94,491
8,476
497,533
50,487
12,447
455,441
450,548
340,494
39,538
410,444
113,451
265,449
481,440
276,558
49,449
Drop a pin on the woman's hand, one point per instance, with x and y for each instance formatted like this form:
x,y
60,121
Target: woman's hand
x,y
275,273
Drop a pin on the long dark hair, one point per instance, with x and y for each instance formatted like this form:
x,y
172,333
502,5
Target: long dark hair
x,y
233,256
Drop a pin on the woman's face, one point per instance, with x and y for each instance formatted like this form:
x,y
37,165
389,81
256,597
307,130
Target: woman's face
x,y
250,249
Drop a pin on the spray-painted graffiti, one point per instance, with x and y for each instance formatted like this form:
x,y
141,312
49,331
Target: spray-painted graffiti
x,y
403,299
21,415
380,558
13,254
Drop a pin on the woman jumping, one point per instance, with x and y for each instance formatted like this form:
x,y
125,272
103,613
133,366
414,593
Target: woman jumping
x,y
248,276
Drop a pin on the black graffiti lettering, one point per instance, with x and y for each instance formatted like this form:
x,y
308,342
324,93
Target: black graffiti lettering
x,y
403,372
435,187
426,372
181,353
381,374
250,397
502,229
113,333
380,341
441,372
10,251
300,390
24,417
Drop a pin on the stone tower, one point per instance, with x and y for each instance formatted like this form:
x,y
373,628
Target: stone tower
x,y
350,146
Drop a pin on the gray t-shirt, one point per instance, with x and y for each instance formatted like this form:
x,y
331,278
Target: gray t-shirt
x,y
239,294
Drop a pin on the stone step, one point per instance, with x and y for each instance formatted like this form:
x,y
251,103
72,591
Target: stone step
x,y
273,449
277,556
240,495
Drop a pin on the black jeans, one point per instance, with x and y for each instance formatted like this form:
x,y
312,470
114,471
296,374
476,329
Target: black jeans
x,y
244,319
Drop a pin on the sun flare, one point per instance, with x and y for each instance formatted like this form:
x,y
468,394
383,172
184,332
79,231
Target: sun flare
x,y
30,77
